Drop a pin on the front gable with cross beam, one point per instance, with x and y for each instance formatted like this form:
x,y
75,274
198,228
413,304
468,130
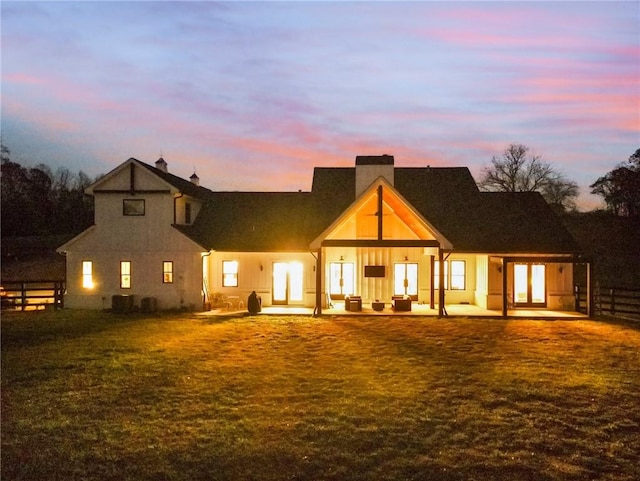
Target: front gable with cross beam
x,y
381,217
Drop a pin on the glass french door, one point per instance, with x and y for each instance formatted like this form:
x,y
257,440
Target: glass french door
x,y
287,283
405,280
529,285
341,279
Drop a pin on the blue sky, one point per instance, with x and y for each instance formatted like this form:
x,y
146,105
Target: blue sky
x,y
253,95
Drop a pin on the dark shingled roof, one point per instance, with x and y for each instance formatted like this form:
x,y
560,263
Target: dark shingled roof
x,y
474,221
255,221
185,186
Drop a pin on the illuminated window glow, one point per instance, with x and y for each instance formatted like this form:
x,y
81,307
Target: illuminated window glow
x,y
87,274
167,272
458,269
125,275
341,279
230,273
405,279
457,280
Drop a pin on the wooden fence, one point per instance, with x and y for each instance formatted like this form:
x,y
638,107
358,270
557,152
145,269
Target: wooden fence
x,y
32,294
610,301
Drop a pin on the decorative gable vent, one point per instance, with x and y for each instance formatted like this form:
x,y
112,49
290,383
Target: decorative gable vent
x,y
370,167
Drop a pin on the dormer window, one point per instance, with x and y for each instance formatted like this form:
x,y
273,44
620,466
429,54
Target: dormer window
x,y
187,213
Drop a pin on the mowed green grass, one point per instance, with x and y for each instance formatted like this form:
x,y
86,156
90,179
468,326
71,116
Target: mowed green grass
x,y
95,396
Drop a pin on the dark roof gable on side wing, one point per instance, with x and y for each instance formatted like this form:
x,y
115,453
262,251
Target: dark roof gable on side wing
x,y
254,221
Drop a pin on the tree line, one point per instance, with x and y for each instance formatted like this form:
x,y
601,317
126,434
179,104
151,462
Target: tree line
x,y
38,201
518,169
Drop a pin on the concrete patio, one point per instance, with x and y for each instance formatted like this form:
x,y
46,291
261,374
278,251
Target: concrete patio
x,y
452,310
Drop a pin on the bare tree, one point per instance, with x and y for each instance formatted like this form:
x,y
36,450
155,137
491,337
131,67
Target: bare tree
x,y
518,169
620,188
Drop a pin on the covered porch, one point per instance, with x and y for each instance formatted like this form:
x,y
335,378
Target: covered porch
x,y
417,310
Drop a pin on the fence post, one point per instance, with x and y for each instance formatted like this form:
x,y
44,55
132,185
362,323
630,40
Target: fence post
x,y
56,295
613,301
23,295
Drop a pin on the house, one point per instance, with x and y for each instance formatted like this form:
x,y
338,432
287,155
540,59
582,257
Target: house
x,y
370,232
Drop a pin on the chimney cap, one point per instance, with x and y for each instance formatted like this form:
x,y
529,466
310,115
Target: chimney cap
x,y
384,159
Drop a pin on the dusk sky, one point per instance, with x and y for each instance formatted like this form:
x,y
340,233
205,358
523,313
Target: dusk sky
x,y
253,95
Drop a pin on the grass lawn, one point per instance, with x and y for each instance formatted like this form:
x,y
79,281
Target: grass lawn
x,y
95,396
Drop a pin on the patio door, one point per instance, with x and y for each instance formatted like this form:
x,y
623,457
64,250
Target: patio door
x,y
341,279
405,280
287,283
529,285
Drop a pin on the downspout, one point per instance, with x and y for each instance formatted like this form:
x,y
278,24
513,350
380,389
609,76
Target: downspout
x,y
175,208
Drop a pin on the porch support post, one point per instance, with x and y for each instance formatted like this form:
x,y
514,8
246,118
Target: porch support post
x,y
441,282
432,302
318,310
380,206
505,264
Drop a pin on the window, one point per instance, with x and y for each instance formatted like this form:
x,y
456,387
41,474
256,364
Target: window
x,y
125,275
457,280
187,213
87,274
436,275
133,207
230,273
167,272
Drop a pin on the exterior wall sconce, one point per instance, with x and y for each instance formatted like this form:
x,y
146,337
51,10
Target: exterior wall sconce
x,y
341,258
499,268
261,268
560,269
406,258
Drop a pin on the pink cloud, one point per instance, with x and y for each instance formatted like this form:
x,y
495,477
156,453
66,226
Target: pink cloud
x,y
22,78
